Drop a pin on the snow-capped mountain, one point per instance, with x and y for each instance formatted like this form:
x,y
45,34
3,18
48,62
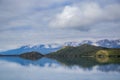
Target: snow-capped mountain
x,y
47,48
42,48
74,44
109,43
103,43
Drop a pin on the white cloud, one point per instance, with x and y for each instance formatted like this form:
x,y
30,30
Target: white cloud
x,y
17,13
24,22
84,15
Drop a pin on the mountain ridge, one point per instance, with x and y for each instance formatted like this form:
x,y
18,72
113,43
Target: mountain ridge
x,y
86,50
48,48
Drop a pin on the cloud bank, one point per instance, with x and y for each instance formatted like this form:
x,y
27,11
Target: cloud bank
x,y
25,22
85,15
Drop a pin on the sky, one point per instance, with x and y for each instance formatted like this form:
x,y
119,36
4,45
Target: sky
x,y
25,22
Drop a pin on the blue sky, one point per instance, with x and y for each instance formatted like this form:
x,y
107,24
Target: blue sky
x,y
56,21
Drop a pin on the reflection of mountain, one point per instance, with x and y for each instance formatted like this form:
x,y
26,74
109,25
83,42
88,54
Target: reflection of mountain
x,y
27,58
26,62
109,68
85,62
82,62
112,64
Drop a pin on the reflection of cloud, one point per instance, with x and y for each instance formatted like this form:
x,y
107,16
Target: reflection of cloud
x,y
13,71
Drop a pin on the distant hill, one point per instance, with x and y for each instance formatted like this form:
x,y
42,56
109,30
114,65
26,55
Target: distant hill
x,y
48,48
31,55
86,55
86,50
44,49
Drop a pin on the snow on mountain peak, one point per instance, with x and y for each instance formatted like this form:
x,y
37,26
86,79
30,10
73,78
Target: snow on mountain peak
x,y
42,46
26,46
71,44
53,47
103,43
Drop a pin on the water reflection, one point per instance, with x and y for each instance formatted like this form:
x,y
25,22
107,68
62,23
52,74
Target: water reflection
x,y
59,68
105,64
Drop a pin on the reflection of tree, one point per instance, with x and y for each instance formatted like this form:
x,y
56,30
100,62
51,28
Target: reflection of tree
x,y
85,62
102,59
108,60
110,67
105,64
82,62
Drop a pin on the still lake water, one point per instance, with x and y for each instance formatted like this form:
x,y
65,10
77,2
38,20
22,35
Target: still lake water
x,y
15,68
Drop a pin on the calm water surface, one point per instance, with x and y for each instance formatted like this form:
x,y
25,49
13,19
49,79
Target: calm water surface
x,y
15,68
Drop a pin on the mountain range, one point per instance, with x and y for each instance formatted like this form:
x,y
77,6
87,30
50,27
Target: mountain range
x,y
48,48
84,56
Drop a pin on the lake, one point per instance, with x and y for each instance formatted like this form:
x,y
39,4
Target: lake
x,y
16,68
